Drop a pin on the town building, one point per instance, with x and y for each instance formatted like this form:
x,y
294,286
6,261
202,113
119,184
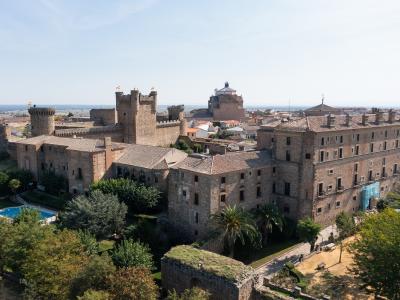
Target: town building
x,y
314,166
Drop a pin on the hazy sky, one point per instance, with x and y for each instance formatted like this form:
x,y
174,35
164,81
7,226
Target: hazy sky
x,y
75,51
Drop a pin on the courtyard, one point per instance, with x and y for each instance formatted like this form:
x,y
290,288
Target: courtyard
x,y
335,279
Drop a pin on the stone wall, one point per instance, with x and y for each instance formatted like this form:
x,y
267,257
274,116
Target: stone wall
x,y
178,276
167,133
42,120
113,131
103,116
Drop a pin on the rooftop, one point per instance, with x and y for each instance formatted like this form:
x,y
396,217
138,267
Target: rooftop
x,y
230,162
150,157
226,90
216,264
319,123
88,145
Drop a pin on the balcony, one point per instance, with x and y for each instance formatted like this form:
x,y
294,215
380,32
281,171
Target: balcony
x,y
340,189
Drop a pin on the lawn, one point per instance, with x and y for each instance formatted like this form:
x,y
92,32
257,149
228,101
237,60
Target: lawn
x,y
44,199
7,203
257,257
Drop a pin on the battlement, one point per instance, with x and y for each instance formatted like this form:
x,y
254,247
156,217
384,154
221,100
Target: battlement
x,y
168,123
42,111
85,131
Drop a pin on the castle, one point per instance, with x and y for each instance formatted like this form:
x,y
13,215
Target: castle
x,y
133,121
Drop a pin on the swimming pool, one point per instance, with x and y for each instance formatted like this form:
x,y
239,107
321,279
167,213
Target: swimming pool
x,y
13,212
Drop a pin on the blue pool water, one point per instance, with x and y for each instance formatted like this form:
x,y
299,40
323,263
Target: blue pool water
x,y
12,212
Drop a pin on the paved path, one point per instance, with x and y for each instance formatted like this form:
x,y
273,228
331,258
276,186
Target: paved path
x,y
293,255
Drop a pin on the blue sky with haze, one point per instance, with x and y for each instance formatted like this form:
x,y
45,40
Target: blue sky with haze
x,y
67,52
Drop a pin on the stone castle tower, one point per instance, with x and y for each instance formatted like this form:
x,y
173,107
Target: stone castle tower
x,y
137,114
42,120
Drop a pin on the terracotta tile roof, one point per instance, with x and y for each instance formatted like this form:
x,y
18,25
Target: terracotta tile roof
x,y
319,123
150,157
192,130
219,164
80,144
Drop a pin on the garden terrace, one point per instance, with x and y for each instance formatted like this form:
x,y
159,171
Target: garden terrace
x,y
216,264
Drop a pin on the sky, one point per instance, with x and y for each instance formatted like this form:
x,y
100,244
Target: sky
x,y
272,52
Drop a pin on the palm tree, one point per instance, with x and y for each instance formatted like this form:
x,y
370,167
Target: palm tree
x,y
235,224
268,216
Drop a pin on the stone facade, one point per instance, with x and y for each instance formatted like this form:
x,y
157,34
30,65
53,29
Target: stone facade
x,y
103,116
84,161
226,105
134,121
42,120
316,166
179,273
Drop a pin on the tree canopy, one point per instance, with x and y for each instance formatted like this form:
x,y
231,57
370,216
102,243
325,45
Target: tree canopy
x,y
308,231
132,254
136,195
100,214
235,224
376,253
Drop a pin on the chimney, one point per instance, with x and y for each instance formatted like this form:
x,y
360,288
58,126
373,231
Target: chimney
x,y
379,117
331,120
348,120
107,142
365,119
392,116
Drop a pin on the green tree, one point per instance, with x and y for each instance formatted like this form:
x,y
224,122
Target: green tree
x,y
19,238
194,293
53,183
95,295
308,231
52,265
4,178
235,224
89,242
137,196
346,227
376,253
24,176
14,185
94,275
132,254
132,283
267,217
100,214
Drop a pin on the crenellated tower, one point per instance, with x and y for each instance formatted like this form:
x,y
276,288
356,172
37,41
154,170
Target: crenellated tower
x,y
42,120
137,115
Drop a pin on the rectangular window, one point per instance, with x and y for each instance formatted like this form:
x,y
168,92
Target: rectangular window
x,y
241,195
222,198
197,218
258,172
184,193
241,175
341,139
386,134
196,178
321,156
320,189
356,167
372,135
384,145
355,179
287,155
288,140
273,170
383,172
196,199
337,204
287,188
322,141
358,137
395,169
274,187
397,143
258,192
223,180
319,210
371,147
370,178
339,184
308,156
340,152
